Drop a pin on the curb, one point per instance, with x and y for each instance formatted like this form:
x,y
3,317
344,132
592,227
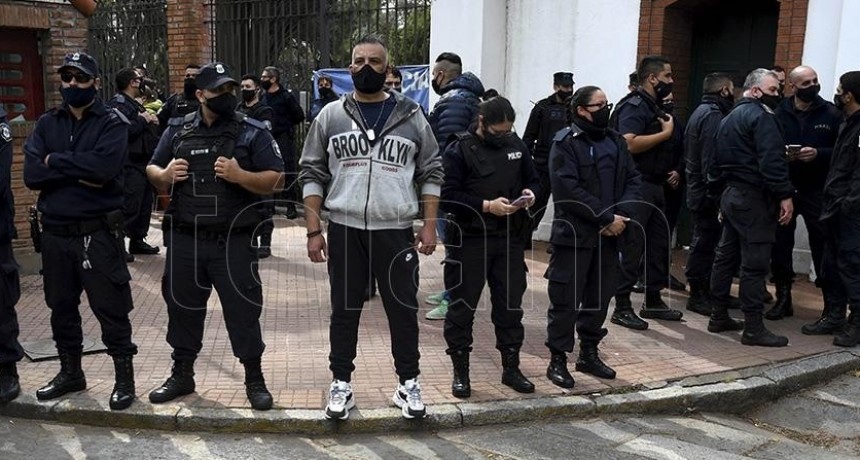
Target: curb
x,y
729,392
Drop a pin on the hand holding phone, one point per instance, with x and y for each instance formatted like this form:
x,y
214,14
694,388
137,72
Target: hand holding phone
x,y
521,201
792,150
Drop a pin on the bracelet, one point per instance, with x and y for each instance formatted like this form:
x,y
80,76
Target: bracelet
x,y
314,233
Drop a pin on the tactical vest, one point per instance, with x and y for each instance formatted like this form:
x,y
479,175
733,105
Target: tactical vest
x,y
492,172
554,118
653,164
184,106
204,201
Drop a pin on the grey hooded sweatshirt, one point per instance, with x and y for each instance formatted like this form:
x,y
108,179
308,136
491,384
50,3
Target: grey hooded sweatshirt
x,y
371,185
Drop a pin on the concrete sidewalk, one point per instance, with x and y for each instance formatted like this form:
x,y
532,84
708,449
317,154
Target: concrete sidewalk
x,y
666,357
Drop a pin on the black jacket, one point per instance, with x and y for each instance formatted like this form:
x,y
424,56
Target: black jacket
x,y
259,111
842,189
7,203
699,145
816,127
457,109
83,176
579,212
751,152
548,117
287,112
142,135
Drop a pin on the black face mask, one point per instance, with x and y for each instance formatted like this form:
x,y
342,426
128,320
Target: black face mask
x,y
437,88
496,141
808,94
662,89
266,84
771,101
368,81
600,118
223,105
592,128
327,93
189,87
838,101
78,97
669,107
248,95
564,95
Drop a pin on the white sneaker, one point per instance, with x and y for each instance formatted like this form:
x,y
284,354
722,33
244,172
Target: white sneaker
x,y
340,400
408,398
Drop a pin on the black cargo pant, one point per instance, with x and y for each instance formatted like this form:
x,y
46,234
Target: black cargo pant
x,y
841,262
807,204
389,255
581,284
137,208
106,283
287,146
648,234
266,210
498,262
10,292
749,230
196,264
706,235
542,198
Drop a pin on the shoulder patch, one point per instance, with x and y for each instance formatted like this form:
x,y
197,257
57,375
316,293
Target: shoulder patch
x,y
5,133
561,134
635,100
276,149
120,115
255,123
119,98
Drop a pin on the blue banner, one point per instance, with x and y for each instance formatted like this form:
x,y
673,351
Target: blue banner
x,y
416,82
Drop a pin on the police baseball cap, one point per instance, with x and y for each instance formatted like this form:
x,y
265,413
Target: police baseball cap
x,y
213,75
562,78
81,61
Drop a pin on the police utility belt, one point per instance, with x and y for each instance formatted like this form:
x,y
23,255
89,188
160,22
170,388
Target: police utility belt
x,y
111,222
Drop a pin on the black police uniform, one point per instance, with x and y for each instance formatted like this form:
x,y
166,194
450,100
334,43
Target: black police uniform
x,y
287,113
815,127
699,140
593,178
142,140
208,232
749,163
262,112
81,201
637,113
10,288
547,117
178,105
490,249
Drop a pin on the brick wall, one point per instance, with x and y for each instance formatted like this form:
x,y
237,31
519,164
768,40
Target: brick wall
x,y
188,37
791,32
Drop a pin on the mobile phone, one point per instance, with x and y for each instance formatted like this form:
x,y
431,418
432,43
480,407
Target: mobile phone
x,y
792,150
521,201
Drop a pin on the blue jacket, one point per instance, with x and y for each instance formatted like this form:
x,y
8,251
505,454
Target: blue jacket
x,y
816,127
457,108
83,176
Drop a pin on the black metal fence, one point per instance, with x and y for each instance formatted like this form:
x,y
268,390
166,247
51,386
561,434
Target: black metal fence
x,y
127,33
301,36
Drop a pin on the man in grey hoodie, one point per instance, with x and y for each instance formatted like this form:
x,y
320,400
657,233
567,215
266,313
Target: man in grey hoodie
x,y
363,158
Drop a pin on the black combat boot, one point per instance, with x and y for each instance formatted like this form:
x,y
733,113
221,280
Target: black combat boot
x,y
624,315
69,379
589,362
655,308
700,298
720,319
832,321
123,391
255,385
180,383
9,387
511,375
557,372
461,387
850,336
265,249
782,308
756,334
139,246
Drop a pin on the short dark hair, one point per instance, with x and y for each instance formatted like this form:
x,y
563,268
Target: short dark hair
x,y
489,94
124,77
650,65
394,71
778,68
582,96
633,79
497,110
850,82
192,66
253,78
276,72
714,82
453,58
372,39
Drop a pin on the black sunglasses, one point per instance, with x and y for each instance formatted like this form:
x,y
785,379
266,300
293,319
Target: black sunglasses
x,y
78,77
608,104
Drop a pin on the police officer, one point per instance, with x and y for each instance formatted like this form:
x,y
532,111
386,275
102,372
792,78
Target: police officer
x,y
595,182
841,215
218,163
142,138
10,288
648,131
74,158
253,107
181,103
699,141
749,163
287,115
811,124
489,180
548,116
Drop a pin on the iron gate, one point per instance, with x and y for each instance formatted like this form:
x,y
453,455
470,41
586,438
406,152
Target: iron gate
x,y
126,33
